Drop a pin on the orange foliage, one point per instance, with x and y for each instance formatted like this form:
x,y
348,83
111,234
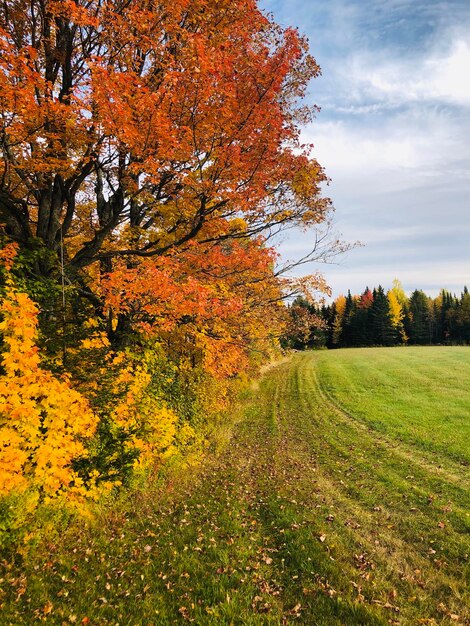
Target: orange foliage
x,y
132,128
152,147
221,295
153,150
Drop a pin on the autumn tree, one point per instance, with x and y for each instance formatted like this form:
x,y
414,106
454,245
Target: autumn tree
x,y
149,155
306,328
130,130
399,309
340,308
397,315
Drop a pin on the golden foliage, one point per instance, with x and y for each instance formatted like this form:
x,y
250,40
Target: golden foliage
x,y
150,425
43,420
397,314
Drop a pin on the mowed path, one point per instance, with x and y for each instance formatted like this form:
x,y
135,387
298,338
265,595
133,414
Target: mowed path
x,y
306,515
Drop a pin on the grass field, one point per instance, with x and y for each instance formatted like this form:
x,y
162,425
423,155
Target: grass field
x,y
418,395
339,495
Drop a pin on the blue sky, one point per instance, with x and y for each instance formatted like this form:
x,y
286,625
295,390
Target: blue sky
x,y
393,135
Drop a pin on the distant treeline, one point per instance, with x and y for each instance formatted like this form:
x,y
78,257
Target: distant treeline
x,y
380,318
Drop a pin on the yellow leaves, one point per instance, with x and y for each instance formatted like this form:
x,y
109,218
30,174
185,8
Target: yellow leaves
x,y
186,434
396,310
305,186
340,304
150,426
118,359
91,322
98,341
237,225
158,431
43,421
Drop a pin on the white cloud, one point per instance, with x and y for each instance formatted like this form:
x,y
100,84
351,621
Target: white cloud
x,y
440,76
406,149
401,187
393,136
341,148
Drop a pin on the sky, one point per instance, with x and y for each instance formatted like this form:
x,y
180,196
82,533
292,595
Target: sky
x,y
393,135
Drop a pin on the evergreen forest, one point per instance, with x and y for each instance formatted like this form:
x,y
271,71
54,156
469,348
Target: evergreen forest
x,y
380,318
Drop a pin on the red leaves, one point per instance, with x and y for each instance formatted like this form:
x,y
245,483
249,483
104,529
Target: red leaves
x,y
224,297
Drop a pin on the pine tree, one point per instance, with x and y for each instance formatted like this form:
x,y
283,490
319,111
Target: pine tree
x,y
362,320
463,317
383,331
347,334
419,318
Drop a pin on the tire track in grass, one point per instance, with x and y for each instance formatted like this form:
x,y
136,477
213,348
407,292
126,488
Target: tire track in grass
x,y
356,499
348,427
312,583
275,529
399,383
454,472
354,542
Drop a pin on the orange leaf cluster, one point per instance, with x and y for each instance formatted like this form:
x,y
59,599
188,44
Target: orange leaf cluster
x,y
220,296
132,128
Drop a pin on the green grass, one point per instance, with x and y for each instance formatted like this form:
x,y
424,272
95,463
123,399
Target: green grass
x,y
341,498
420,395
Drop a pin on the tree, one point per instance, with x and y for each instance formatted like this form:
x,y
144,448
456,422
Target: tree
x,y
347,330
43,420
397,315
131,129
448,306
149,153
305,328
340,308
362,322
462,317
399,293
419,312
381,320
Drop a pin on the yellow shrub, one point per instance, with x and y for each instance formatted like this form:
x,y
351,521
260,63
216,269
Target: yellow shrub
x,y
150,424
43,421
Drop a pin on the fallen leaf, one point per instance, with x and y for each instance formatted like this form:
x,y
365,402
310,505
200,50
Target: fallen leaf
x,y
47,608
